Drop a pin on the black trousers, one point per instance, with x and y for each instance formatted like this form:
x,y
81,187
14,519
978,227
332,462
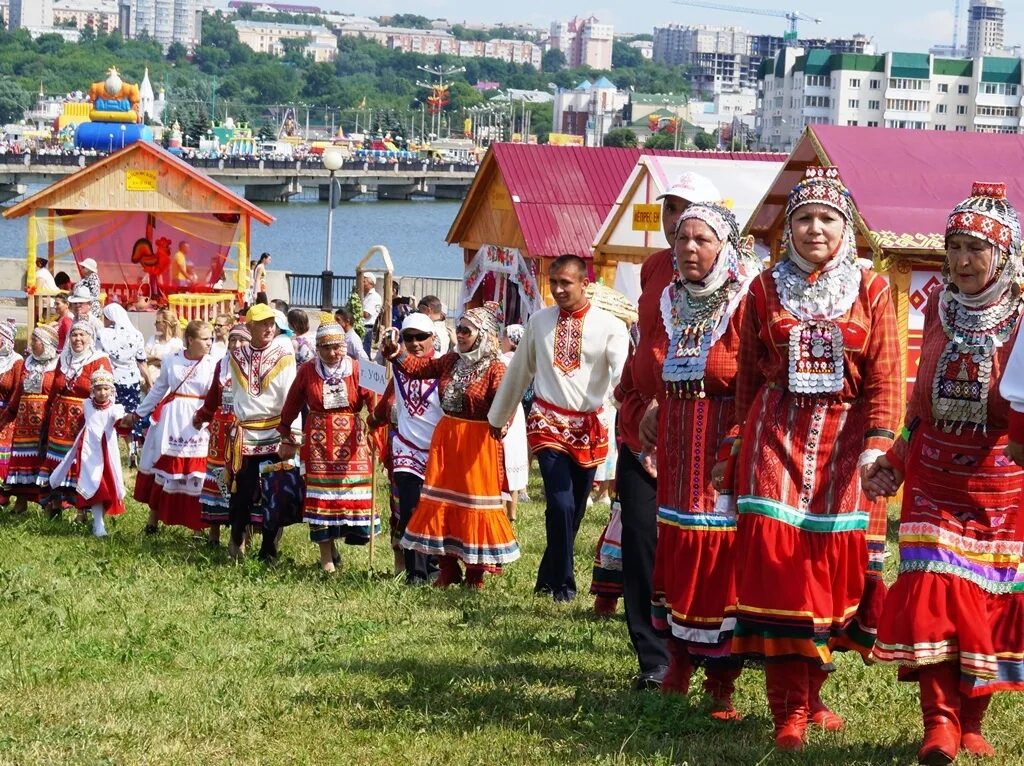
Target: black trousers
x,y
637,493
244,498
417,565
566,488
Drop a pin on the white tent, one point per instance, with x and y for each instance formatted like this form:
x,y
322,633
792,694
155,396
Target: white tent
x,y
632,229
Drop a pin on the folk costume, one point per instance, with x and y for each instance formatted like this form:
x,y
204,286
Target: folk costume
x,y
635,488
817,391
460,515
126,347
218,412
95,459
26,414
336,460
515,448
412,406
71,387
11,365
694,587
172,464
260,380
953,620
572,358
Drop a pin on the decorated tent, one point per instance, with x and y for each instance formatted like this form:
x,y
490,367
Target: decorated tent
x,y
632,230
130,212
903,184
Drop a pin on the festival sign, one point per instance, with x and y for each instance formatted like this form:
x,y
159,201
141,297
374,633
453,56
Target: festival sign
x,y
140,180
646,217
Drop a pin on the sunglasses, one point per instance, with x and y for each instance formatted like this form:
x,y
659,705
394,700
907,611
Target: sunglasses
x,y
415,336
463,330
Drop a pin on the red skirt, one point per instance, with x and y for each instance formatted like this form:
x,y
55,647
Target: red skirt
x,y
107,493
27,446
805,583
158,490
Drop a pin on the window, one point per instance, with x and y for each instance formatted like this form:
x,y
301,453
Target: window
x,y
875,84
963,89
872,123
854,82
852,123
961,128
817,101
913,124
874,104
999,89
906,83
939,127
943,87
962,109
906,105
853,103
817,81
998,111
940,108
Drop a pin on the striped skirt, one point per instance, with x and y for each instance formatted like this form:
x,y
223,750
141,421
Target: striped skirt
x,y
461,512
960,590
216,495
67,417
809,544
339,472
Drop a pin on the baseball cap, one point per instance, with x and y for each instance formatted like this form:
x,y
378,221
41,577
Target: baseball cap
x,y
258,312
418,321
693,187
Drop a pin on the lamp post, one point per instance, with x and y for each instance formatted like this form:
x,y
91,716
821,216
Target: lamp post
x,y
332,159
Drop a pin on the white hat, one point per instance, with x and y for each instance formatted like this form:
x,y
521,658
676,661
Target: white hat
x,y
80,294
88,263
371,276
418,321
693,187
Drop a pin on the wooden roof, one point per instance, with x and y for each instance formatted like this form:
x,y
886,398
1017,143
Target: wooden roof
x,y
120,182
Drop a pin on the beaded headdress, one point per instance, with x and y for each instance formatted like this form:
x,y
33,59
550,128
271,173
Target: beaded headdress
x,y
83,325
987,214
47,335
329,334
101,377
821,186
240,331
6,334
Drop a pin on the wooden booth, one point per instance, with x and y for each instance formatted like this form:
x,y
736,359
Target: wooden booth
x,y
160,232
903,184
632,230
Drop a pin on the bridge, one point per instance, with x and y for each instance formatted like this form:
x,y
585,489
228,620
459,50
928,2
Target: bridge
x,y
268,180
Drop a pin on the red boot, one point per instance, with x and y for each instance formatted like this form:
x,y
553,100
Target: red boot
x,y
677,677
821,715
787,684
450,573
972,713
940,708
605,606
474,578
719,683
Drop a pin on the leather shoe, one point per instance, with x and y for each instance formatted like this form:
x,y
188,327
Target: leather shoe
x,y
649,680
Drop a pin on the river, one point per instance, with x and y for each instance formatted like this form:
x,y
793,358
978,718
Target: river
x,y
414,233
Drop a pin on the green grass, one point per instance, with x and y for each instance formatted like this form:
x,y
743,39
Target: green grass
x,y
139,650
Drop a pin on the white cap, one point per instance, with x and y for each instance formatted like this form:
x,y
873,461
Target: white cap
x,y
418,321
693,187
371,276
80,294
88,263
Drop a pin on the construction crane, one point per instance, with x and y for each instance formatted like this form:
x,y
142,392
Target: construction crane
x,y
792,16
956,29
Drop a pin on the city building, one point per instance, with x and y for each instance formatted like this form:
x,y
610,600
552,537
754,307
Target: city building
x,y
894,90
985,27
269,37
30,13
263,7
585,42
589,110
99,15
166,21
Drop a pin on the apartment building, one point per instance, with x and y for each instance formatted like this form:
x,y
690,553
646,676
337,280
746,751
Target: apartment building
x,y
30,14
269,37
99,15
166,21
985,19
434,42
585,42
894,90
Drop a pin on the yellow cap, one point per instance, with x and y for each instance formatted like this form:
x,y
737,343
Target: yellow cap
x,y
258,312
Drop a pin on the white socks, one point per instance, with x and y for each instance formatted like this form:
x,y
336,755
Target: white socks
x,y
99,529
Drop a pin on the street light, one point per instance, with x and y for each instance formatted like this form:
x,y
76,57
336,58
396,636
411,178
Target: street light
x,y
333,160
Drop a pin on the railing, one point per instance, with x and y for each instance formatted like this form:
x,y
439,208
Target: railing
x,y
306,290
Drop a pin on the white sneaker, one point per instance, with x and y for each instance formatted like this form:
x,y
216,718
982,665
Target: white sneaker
x,y
590,502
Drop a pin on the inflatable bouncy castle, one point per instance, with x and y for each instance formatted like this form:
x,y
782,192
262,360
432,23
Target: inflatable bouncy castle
x,y
115,120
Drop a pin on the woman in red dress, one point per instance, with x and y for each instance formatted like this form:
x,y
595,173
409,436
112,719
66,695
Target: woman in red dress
x,y
952,620
28,411
694,589
71,387
11,365
818,393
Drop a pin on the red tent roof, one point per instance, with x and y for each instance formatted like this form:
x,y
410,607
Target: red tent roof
x,y
562,194
903,182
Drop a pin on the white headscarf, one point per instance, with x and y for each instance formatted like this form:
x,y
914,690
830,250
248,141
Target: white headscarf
x,y
123,338
71,363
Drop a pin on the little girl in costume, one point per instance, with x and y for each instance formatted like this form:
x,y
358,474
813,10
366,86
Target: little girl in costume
x,y
95,456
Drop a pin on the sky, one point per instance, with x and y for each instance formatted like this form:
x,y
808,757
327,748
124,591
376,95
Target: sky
x,y
902,25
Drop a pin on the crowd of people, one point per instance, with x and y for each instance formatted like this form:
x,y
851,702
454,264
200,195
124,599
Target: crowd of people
x,y
758,433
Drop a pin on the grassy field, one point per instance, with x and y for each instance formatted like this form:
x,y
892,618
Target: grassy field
x,y
155,650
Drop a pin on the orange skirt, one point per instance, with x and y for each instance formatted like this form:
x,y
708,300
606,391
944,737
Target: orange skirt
x,y
461,512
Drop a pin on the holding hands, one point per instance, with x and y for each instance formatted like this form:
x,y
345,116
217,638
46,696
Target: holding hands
x,y
881,478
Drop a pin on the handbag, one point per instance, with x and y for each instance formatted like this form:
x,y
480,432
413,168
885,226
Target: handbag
x,y
283,493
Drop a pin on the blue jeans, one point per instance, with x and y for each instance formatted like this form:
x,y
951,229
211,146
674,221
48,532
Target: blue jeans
x,y
566,488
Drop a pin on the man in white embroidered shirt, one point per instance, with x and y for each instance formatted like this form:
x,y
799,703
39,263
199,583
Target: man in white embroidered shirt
x,y
372,303
574,353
